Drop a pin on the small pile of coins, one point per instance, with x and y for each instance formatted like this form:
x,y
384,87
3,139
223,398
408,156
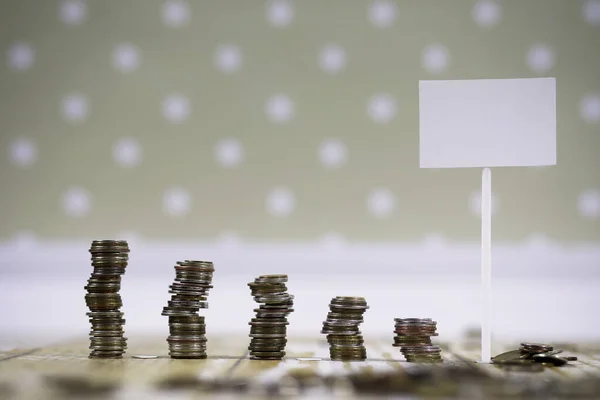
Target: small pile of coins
x,y
413,336
109,260
268,329
532,357
534,348
341,327
187,330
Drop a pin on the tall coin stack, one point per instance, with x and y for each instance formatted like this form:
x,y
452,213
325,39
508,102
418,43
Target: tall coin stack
x,y
413,336
268,329
187,329
341,327
109,260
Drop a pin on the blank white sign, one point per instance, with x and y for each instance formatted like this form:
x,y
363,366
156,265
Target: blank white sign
x,y
487,123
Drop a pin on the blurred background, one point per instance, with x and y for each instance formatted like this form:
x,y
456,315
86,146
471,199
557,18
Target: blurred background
x,y
282,137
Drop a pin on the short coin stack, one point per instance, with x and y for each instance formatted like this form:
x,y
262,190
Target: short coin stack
x,y
341,327
268,329
187,330
532,357
535,348
413,336
109,260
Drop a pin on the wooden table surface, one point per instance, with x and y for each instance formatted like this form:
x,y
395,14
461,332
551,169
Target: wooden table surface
x,y
63,370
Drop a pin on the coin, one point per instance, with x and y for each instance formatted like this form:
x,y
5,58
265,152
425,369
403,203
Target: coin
x,y
342,328
534,348
413,336
109,261
187,329
268,329
550,359
507,356
532,353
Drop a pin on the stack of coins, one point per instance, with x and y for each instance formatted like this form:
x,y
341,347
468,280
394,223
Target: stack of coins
x,y
109,260
187,330
268,329
529,349
413,336
532,356
341,327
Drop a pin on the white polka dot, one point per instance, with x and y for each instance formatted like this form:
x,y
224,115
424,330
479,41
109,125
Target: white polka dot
x,y
25,240
279,108
20,56
435,58
281,202
176,13
229,152
332,153
72,12
332,241
591,12
589,203
75,108
434,242
475,203
77,202
133,238
126,57
589,109
381,202
176,108
177,202
280,13
486,13
229,240
228,58
538,241
382,108
127,152
540,58
23,152
332,59
382,13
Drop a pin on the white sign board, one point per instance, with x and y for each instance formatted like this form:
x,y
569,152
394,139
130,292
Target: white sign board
x,y
487,123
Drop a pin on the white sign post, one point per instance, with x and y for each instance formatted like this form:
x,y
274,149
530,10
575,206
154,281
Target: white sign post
x,y
487,123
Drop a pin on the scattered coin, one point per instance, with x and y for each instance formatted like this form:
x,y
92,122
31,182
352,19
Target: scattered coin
x,y
342,328
530,354
413,336
189,292
269,327
515,361
109,261
507,356
550,359
535,348
143,357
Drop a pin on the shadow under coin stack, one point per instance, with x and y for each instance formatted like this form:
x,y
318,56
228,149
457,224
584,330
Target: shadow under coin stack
x,y
268,329
341,327
187,329
413,336
109,260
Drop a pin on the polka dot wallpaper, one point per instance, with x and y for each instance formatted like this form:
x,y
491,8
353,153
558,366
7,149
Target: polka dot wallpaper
x,y
281,120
